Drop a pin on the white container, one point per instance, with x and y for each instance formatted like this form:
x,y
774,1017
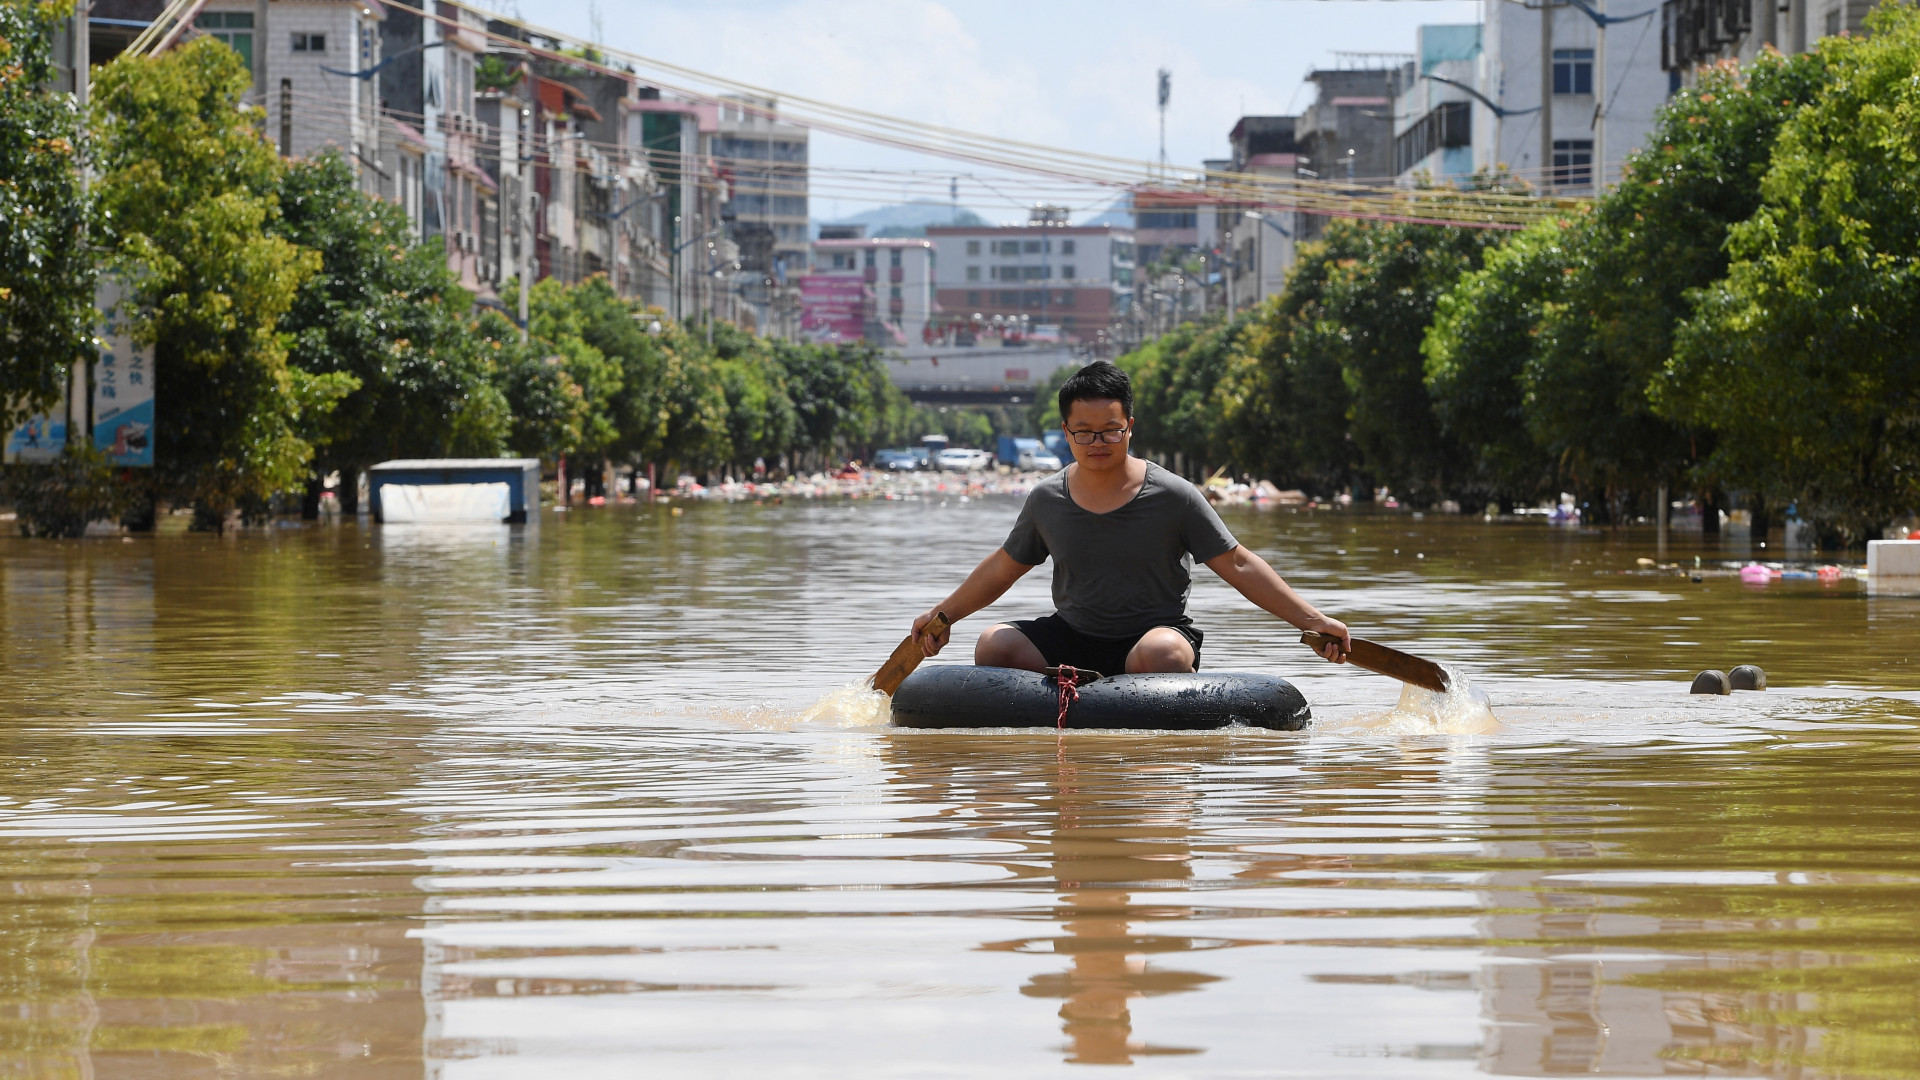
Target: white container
x,y
1893,558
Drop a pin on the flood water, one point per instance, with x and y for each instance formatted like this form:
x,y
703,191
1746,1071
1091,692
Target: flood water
x,y
479,802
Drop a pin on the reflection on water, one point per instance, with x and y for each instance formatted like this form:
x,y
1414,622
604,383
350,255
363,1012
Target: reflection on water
x,y
595,798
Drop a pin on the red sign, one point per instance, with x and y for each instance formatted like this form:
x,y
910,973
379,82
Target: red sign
x,y
1018,374
833,307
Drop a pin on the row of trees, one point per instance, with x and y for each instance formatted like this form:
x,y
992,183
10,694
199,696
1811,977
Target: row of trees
x,y
1740,315
297,328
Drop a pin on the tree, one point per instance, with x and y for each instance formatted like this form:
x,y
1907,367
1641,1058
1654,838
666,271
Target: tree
x,y
1285,409
188,192
388,313
1803,359
562,317
1478,348
46,262
1175,382
1659,234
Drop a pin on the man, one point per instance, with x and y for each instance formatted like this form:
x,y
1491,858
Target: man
x,y
1123,534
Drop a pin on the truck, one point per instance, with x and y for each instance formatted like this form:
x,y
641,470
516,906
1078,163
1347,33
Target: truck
x,y
1012,445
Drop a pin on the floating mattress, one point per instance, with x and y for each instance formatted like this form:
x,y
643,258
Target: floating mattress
x,y
961,696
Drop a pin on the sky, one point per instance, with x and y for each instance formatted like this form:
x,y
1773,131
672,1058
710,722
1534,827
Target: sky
x,y
1078,75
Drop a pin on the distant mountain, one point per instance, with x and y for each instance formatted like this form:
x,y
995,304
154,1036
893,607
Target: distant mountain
x,y
1120,214
905,219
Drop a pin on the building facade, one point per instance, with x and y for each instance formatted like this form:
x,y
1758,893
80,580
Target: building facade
x,y
877,290
1045,280
1603,83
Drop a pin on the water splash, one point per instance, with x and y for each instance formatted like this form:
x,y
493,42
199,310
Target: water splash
x,y
855,705
1463,710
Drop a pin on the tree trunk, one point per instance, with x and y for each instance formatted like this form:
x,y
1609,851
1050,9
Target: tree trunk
x,y
310,498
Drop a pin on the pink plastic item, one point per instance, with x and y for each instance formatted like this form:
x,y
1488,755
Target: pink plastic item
x,y
1755,574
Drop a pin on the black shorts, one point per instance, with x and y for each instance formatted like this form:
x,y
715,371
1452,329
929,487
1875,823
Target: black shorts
x,y
1062,644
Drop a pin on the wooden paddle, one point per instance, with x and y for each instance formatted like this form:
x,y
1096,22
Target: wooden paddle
x,y
1392,663
906,657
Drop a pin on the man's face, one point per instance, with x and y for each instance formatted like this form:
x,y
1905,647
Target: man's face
x,y
1103,418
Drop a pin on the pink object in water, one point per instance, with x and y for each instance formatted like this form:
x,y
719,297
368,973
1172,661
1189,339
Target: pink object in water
x,y
1828,573
1755,574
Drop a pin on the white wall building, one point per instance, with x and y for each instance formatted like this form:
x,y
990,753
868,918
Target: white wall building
x,y
1596,108
897,275
1471,100
1074,279
304,61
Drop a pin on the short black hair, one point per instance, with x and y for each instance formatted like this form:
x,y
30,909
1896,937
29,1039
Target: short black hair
x,y
1098,381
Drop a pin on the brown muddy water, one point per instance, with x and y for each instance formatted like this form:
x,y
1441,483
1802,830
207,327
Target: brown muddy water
x,y
463,802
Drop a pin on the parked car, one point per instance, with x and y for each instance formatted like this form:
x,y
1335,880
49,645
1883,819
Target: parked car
x,y
1039,461
897,460
957,459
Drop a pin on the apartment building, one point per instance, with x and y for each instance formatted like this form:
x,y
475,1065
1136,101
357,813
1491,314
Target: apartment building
x,y
763,164
1056,279
1696,32
878,290
1596,113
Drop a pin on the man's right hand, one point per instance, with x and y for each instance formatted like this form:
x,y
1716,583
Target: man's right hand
x,y
930,644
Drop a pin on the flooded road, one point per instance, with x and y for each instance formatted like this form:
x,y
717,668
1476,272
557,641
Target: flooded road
x,y
478,802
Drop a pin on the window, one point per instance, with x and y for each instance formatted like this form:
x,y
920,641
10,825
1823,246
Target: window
x,y
309,43
1033,247
1833,22
1067,270
1034,273
869,258
1167,219
1063,299
1066,248
1032,299
1572,162
893,257
973,273
973,299
222,27
1009,299
894,293
973,247
1006,273
1573,71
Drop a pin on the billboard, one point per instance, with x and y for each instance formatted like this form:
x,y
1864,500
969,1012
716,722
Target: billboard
x,y
122,387
833,307
40,440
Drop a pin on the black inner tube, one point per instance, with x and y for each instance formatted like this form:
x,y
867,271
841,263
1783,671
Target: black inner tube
x,y
963,696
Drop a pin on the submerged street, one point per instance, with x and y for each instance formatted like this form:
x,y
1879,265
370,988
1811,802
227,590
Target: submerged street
x,y
474,801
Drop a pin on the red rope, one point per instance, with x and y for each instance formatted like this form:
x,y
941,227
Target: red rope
x,y
1069,682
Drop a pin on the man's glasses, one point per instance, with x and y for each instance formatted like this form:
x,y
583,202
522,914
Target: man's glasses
x,y
1088,438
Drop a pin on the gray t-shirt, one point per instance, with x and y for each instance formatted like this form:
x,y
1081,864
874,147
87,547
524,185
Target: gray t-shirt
x,y
1125,572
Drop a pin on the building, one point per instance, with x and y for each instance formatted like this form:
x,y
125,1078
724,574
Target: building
x,y
1563,49
1260,239
762,164
878,290
1346,135
1433,113
1044,280
1696,32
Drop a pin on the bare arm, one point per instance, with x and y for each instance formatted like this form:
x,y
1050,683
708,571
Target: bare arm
x,y
1262,584
988,582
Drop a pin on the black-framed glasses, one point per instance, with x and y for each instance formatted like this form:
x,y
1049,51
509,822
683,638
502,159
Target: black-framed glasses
x,y
1088,438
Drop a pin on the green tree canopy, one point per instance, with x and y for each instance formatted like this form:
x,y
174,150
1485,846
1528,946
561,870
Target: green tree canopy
x,y
188,190
46,262
387,312
1803,359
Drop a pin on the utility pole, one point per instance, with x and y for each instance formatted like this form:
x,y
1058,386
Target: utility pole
x,y
1600,99
1546,95
1166,94
524,151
